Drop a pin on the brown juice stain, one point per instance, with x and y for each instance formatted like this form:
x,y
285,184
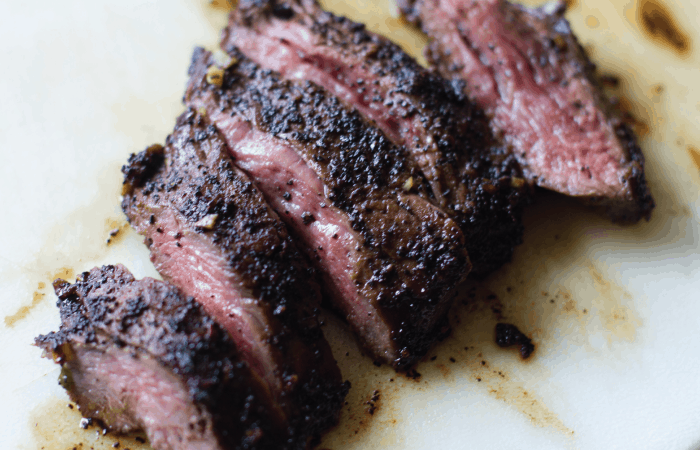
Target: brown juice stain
x,y
657,89
527,403
592,22
571,4
115,230
474,363
444,370
24,311
620,322
223,5
694,155
658,24
479,359
55,426
655,92
64,273
38,296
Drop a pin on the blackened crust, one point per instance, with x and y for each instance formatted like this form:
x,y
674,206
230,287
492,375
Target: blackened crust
x,y
142,166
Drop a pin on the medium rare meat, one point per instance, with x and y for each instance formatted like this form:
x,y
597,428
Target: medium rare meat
x,y
390,260
139,355
212,234
471,175
527,69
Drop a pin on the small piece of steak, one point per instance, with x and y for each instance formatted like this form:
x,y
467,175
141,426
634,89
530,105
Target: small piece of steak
x,y
508,335
390,260
212,234
472,176
526,68
139,355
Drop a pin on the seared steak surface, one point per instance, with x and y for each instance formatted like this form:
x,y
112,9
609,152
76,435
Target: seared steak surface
x,y
390,260
526,68
471,175
212,234
141,355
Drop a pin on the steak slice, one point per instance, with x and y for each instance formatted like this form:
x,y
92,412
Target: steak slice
x,y
526,68
471,175
390,260
212,234
139,355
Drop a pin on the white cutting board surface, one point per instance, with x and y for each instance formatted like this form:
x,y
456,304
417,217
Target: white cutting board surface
x,y
615,311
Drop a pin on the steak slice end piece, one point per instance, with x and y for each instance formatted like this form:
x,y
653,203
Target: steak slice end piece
x,y
140,355
526,68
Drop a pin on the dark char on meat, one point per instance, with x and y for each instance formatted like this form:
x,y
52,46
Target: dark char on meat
x,y
526,68
141,355
211,233
390,260
472,176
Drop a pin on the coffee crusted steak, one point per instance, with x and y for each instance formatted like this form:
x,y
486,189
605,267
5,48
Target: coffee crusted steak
x,y
526,68
471,175
390,260
212,234
140,355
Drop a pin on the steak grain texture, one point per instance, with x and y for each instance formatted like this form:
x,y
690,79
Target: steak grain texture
x,y
211,233
526,68
139,355
471,175
390,260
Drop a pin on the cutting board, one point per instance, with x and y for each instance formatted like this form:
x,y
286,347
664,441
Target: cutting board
x,y
614,311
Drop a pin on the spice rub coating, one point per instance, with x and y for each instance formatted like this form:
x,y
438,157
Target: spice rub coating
x,y
471,174
129,348
526,68
211,232
399,258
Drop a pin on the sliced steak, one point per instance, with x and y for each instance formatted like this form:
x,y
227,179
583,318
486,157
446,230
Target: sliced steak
x,y
139,355
527,70
212,234
390,260
471,175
